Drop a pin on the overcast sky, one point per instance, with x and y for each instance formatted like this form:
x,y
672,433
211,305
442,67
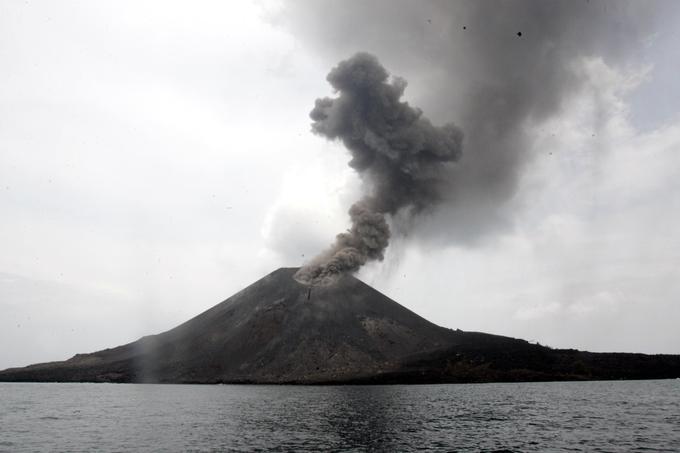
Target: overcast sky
x,y
156,157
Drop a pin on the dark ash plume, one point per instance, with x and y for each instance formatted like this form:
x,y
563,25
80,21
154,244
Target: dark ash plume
x,y
477,71
397,151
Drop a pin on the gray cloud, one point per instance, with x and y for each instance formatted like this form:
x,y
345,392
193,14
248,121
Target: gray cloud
x,y
397,151
492,67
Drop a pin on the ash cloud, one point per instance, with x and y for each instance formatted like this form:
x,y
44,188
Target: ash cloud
x,y
469,64
399,153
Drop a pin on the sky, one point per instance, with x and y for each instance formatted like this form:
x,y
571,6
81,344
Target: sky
x,y
157,157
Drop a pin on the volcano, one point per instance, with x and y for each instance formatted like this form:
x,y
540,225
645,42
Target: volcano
x,y
279,330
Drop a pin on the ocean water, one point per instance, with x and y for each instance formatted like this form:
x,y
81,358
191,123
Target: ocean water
x,y
615,416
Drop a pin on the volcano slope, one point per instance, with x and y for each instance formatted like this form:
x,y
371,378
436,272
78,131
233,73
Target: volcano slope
x,y
278,330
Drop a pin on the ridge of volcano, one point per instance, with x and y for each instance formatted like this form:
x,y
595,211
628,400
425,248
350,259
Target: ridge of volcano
x,y
278,330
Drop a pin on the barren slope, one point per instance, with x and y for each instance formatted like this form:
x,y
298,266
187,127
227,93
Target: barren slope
x,y
280,331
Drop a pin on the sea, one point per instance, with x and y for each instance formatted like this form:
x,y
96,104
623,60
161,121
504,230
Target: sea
x,y
604,416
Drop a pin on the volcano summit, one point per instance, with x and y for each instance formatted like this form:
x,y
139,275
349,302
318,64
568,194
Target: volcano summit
x,y
279,330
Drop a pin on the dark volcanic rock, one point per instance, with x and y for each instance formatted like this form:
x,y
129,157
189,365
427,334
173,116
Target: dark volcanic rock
x,y
275,330
280,331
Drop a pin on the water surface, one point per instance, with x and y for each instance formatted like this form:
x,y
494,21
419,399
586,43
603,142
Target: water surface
x,y
615,416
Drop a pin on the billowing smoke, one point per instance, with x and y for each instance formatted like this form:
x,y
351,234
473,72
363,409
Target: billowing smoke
x,y
499,69
397,151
